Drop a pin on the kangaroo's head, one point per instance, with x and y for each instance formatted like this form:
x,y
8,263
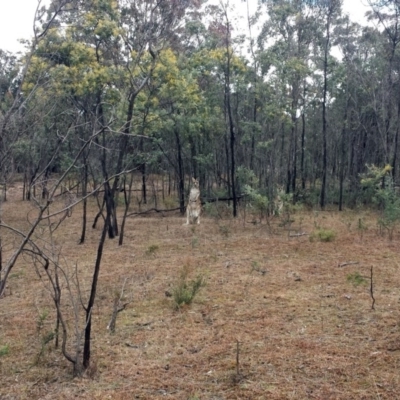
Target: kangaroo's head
x,y
195,183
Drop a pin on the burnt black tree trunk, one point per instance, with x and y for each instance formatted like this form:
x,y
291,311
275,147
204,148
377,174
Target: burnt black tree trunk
x,y
330,9
180,171
89,308
231,125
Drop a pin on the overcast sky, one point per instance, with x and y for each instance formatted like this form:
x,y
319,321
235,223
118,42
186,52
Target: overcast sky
x,y
16,19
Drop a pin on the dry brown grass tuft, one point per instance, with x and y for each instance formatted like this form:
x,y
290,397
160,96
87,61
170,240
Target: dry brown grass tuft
x,y
305,332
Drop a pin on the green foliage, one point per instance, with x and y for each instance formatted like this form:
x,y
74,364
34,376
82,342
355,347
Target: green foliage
x,y
356,279
186,290
4,350
258,201
151,250
323,235
286,208
41,320
45,338
378,184
246,177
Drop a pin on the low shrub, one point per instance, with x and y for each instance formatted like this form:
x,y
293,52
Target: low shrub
x,y
323,235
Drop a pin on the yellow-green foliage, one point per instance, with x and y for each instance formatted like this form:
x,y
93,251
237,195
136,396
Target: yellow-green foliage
x,y
323,235
68,59
176,83
373,177
356,279
208,60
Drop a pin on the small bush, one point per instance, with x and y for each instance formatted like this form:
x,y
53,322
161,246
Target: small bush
x,y
379,184
323,235
152,249
257,201
45,340
356,279
4,350
186,290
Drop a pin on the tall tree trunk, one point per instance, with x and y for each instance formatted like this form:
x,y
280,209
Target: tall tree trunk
x,y
84,194
324,101
302,157
142,169
181,174
231,126
343,155
127,198
89,308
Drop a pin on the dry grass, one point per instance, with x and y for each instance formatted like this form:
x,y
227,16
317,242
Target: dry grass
x,y
305,332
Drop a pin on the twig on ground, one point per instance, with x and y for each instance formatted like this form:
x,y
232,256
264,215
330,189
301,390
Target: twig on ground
x,y
344,264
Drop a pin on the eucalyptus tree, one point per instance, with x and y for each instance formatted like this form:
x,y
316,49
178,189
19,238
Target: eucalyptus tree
x,y
95,60
12,114
327,12
8,87
174,107
229,69
349,87
386,14
286,39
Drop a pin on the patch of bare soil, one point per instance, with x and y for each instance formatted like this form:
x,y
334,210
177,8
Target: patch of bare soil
x,y
280,316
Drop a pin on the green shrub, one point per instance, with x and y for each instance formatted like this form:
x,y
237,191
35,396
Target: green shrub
x,y
4,350
186,290
356,279
257,201
323,235
152,249
378,184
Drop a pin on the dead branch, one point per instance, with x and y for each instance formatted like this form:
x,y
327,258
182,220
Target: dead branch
x,y
344,264
153,210
217,199
371,289
298,234
118,307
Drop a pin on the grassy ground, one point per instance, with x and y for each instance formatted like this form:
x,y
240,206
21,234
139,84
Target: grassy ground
x,y
280,315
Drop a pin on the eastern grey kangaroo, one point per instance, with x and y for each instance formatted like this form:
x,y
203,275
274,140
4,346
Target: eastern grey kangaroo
x,y
193,208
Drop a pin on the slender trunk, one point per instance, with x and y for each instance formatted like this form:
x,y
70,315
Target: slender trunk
x,y
253,138
181,175
84,194
303,140
108,193
232,136
89,308
396,144
324,123
127,198
343,156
